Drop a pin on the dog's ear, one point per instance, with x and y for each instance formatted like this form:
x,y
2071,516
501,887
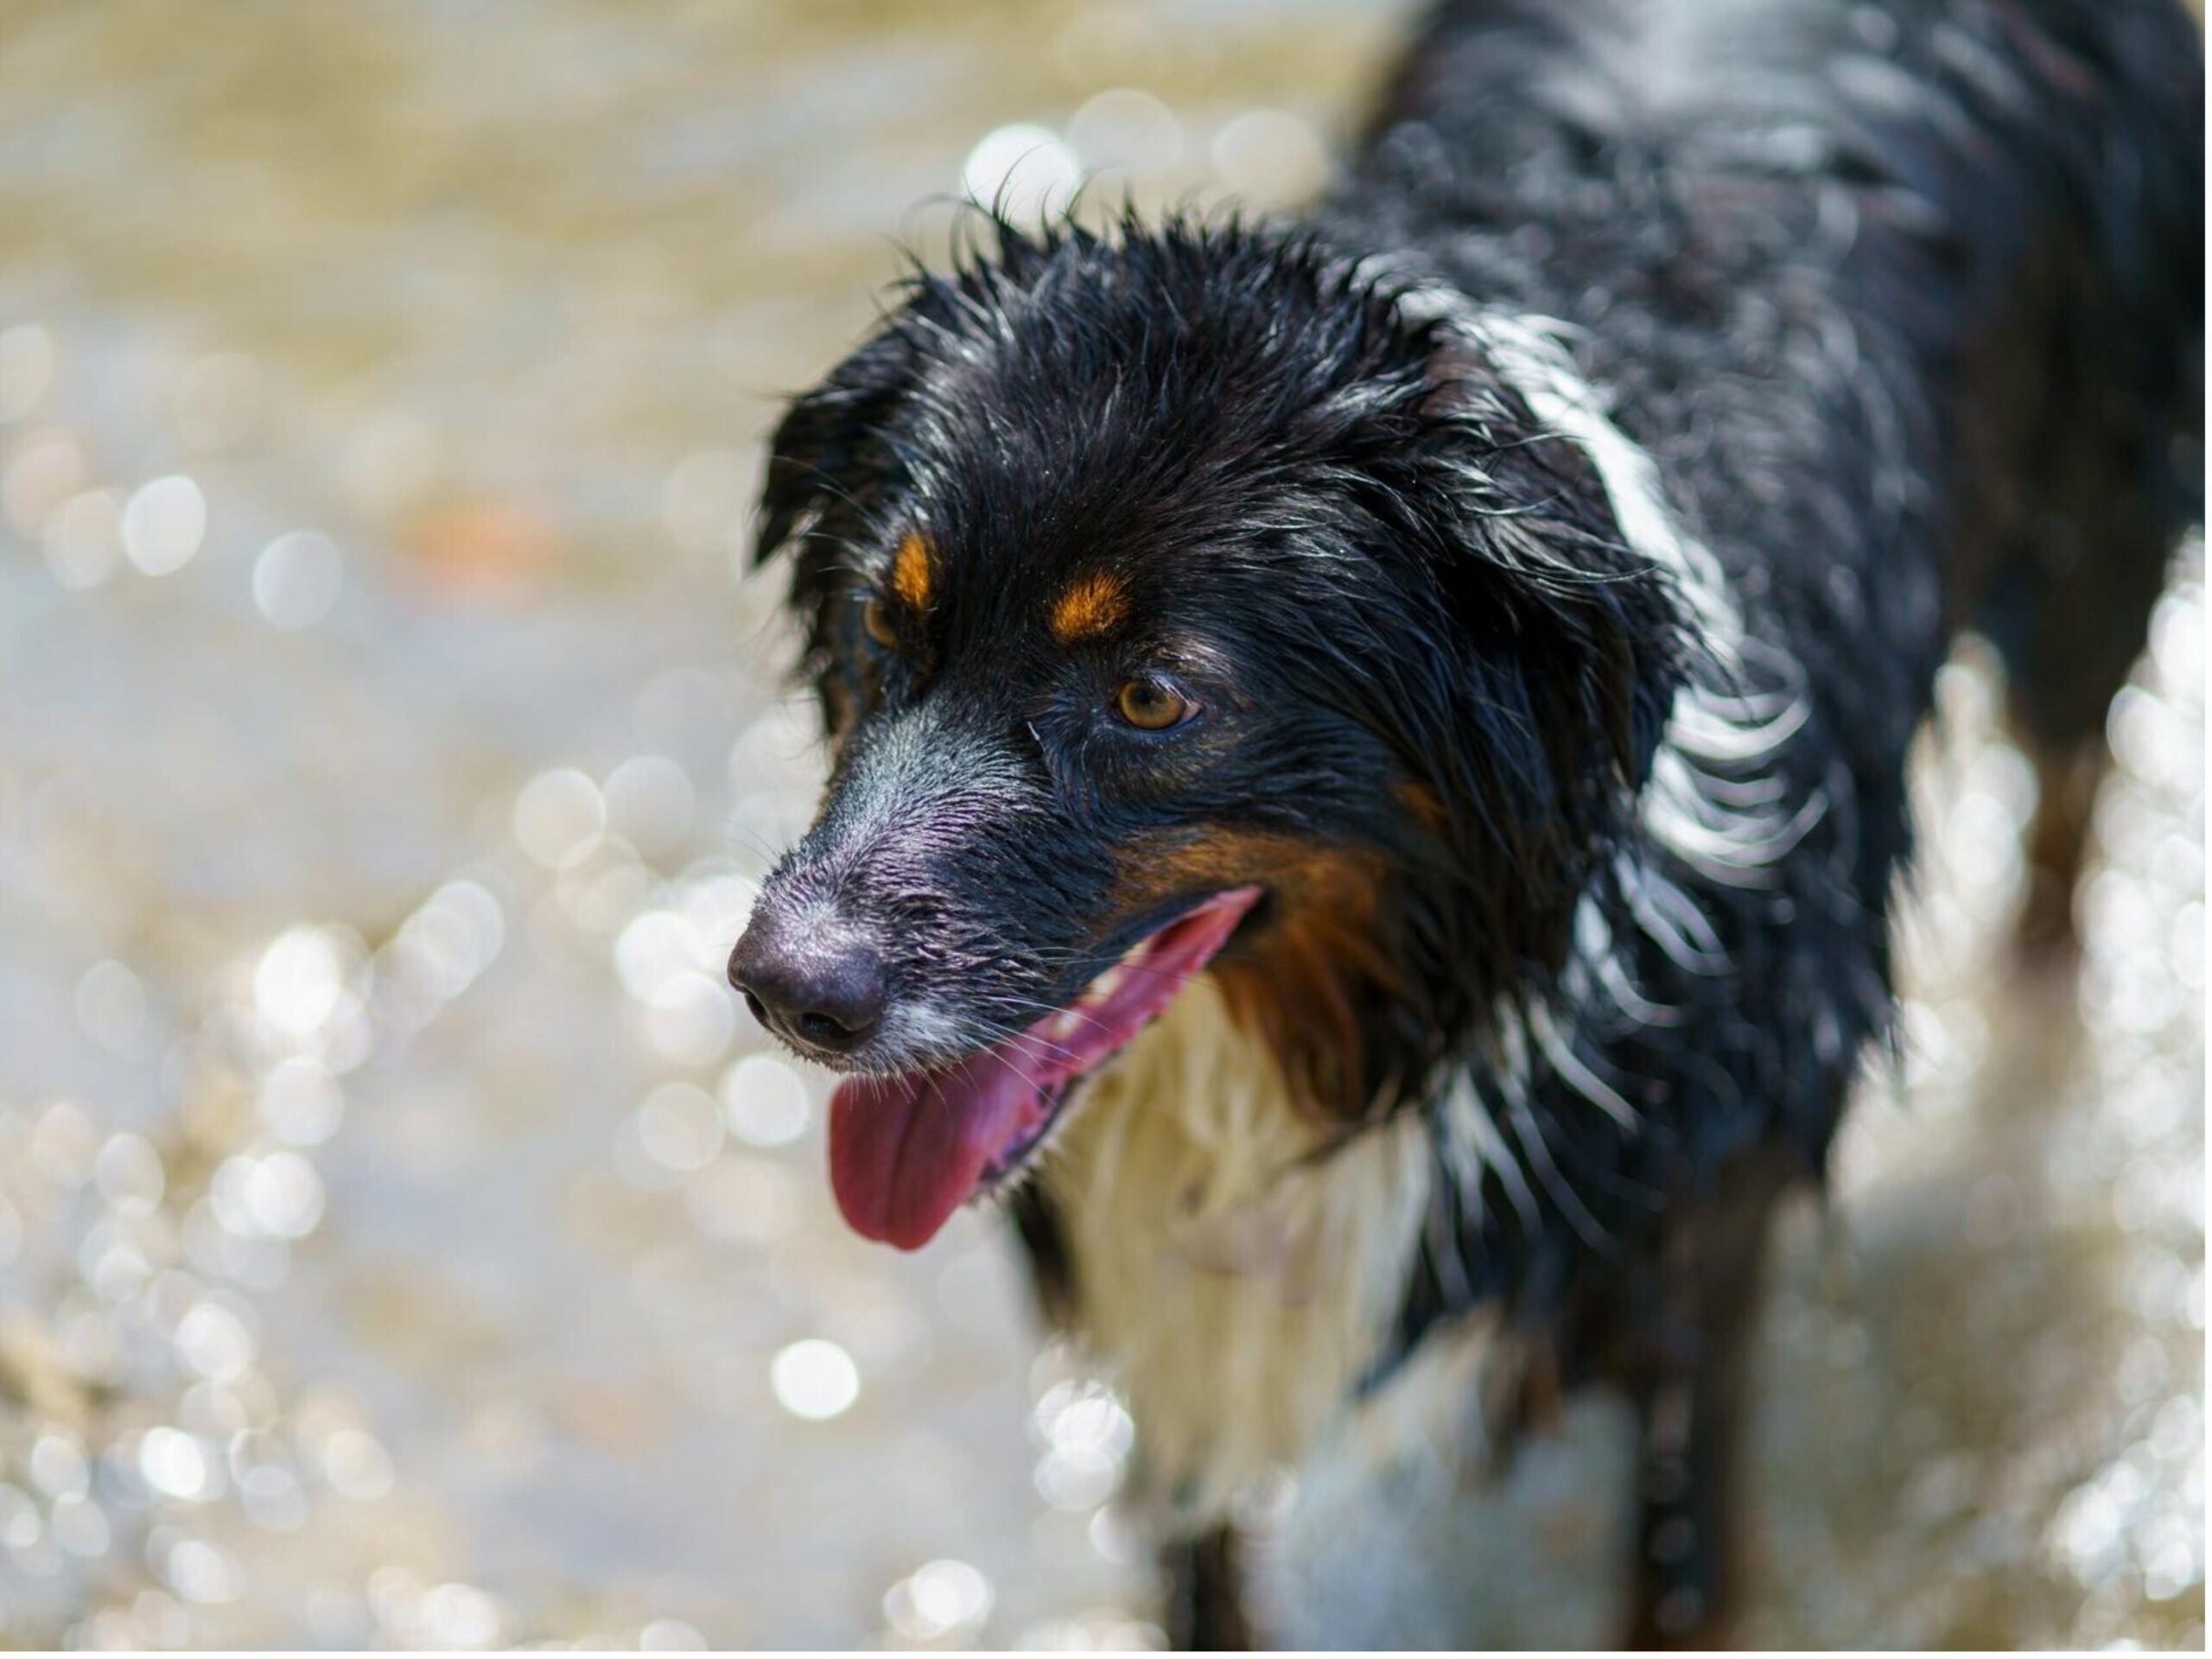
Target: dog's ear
x,y
833,438
1592,626
831,464
1568,638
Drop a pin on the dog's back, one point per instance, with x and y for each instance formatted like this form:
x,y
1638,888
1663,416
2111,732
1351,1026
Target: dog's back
x,y
1866,280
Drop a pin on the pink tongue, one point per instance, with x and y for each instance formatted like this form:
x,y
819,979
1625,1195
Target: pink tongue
x,y
904,1152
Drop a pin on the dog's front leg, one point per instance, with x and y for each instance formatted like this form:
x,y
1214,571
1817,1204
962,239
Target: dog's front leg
x,y
1687,1381
1205,1601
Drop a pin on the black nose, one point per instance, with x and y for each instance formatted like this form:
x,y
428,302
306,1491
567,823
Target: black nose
x,y
823,992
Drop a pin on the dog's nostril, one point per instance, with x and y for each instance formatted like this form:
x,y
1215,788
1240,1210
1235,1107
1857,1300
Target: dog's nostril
x,y
845,1011
823,992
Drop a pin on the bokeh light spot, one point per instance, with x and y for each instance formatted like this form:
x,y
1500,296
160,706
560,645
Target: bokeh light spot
x,y
765,1101
1025,171
163,523
297,578
814,1379
559,817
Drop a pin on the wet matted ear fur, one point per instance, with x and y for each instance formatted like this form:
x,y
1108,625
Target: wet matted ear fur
x,y
1533,704
1593,625
837,459
833,464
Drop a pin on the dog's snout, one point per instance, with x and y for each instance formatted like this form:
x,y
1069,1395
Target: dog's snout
x,y
823,992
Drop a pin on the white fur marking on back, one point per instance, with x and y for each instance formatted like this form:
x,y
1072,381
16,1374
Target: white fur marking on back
x,y
1721,827
1728,830
1527,351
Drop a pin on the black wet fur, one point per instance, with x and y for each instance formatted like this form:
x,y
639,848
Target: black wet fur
x,y
1904,302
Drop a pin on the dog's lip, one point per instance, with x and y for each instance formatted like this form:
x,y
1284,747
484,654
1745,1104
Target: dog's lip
x,y
908,1150
1014,1157
1067,1023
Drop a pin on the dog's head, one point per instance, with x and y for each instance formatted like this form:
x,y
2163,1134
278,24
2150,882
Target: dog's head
x,y
1179,604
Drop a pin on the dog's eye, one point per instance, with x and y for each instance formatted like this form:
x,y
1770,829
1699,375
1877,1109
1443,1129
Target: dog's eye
x,y
875,618
1151,704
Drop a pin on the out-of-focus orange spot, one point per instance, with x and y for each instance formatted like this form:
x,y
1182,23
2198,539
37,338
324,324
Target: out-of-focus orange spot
x,y
481,544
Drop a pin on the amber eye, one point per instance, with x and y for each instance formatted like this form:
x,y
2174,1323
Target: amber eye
x,y
875,617
1152,705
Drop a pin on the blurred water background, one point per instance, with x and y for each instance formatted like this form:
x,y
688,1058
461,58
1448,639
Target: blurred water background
x,y
404,1239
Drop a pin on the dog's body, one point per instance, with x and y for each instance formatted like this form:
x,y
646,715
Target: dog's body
x,y
1467,646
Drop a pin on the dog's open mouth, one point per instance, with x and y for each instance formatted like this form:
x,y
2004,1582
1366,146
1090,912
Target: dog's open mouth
x,y
905,1151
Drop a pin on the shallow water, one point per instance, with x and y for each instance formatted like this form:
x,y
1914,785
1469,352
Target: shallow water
x,y
404,1239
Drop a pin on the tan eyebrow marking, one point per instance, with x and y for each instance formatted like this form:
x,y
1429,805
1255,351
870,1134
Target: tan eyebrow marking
x,y
909,572
1092,606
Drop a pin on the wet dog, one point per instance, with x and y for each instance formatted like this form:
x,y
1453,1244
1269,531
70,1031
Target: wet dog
x,y
1368,753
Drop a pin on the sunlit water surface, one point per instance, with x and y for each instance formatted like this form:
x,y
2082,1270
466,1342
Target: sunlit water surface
x,y
403,1237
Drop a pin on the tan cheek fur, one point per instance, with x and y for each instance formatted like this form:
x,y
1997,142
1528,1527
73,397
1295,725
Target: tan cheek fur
x,y
1235,1293
1300,983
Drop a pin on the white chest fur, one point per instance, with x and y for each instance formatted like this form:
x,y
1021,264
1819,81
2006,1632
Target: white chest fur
x,y
1235,1286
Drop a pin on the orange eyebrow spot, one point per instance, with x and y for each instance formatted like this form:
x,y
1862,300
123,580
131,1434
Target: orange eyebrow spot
x,y
909,572
1093,605
1423,802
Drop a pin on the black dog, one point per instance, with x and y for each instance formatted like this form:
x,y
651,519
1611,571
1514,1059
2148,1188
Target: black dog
x,y
1424,693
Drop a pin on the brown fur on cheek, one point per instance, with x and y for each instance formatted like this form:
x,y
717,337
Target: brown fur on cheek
x,y
1304,974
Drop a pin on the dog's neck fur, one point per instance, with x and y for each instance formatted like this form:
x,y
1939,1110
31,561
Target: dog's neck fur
x,y
1236,1277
